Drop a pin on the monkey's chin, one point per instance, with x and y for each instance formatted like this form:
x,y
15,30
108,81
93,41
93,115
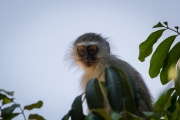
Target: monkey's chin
x,y
88,64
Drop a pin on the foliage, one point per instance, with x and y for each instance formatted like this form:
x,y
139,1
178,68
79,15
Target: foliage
x,y
120,92
8,106
164,61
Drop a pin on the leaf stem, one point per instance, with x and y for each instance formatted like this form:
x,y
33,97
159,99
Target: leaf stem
x,y
21,111
173,30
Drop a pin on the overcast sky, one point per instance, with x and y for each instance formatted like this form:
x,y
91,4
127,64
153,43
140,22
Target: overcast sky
x,y
35,35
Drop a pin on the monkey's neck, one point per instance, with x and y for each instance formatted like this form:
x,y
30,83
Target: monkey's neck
x,y
94,71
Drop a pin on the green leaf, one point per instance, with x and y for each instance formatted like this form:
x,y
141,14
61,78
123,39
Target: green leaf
x,y
35,117
171,58
146,47
7,100
159,56
160,104
7,112
103,113
115,88
66,117
158,25
172,107
11,93
94,95
35,105
130,93
77,110
116,116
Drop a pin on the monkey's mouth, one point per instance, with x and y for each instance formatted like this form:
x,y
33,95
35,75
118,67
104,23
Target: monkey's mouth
x,y
88,63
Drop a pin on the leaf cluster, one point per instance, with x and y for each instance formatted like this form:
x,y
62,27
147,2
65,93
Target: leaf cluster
x,y
164,61
163,58
115,99
8,106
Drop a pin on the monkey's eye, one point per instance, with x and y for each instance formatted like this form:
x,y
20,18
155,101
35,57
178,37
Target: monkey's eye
x,y
81,49
93,49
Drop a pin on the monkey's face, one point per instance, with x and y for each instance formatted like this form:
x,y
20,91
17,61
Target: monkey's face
x,y
87,54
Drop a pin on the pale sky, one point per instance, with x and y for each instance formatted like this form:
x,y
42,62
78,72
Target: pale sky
x,y
35,35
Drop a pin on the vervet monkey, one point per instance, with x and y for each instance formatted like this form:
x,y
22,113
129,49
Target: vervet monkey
x,y
92,52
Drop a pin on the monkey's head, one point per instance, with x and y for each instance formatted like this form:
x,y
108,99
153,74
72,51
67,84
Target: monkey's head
x,y
89,48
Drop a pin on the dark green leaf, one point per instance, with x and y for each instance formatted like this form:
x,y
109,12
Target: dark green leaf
x,y
166,23
12,116
161,102
7,112
94,95
115,88
158,25
172,107
35,117
171,59
35,105
66,117
159,56
11,93
146,47
130,101
77,110
103,113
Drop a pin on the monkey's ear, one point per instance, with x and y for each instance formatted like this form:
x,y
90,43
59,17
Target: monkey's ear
x,y
94,95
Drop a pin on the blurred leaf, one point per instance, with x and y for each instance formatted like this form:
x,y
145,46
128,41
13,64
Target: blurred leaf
x,y
94,95
158,25
11,93
103,113
159,56
160,104
171,58
7,100
77,110
35,105
177,82
2,96
35,117
146,47
94,116
116,116
12,116
115,88
148,114
7,112
131,116
66,117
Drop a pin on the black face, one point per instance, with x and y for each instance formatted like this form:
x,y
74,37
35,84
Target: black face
x,y
87,54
